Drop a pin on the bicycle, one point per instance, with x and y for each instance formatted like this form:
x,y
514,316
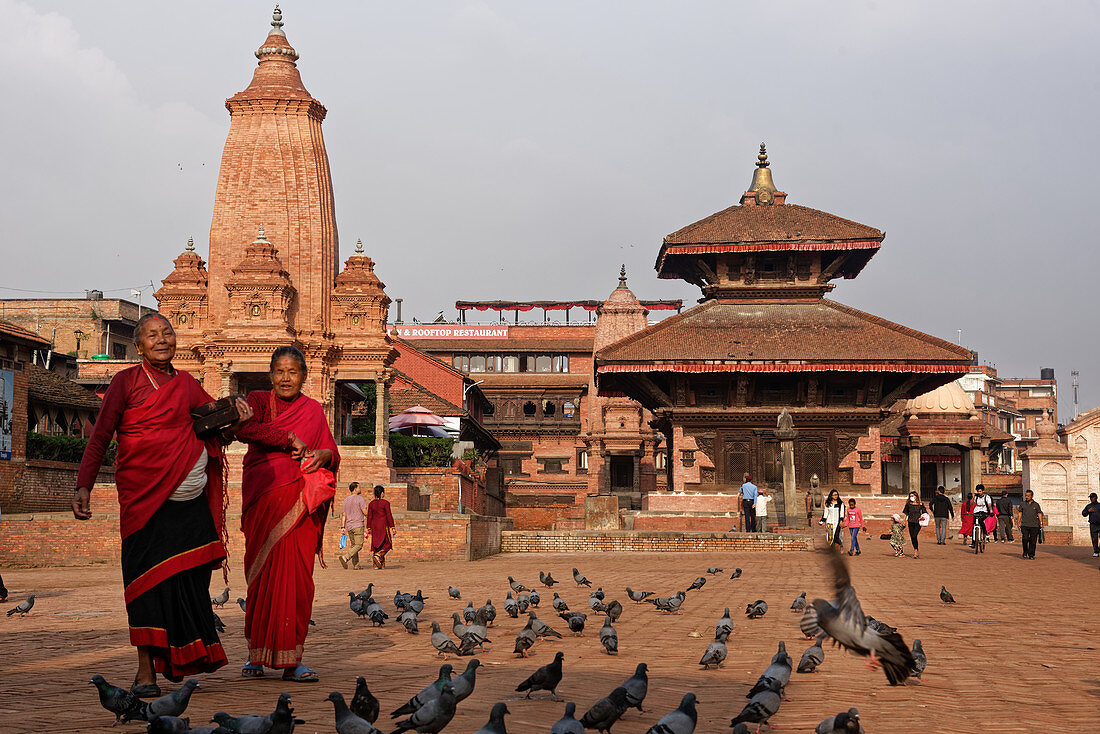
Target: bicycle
x,y
980,532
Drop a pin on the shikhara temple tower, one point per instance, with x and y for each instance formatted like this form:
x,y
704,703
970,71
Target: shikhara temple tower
x,y
272,277
764,338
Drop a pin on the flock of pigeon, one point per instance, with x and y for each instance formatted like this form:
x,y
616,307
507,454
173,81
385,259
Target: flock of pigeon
x,y
841,620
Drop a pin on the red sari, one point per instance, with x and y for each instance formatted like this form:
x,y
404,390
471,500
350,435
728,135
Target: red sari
x,y
380,525
967,515
168,547
282,529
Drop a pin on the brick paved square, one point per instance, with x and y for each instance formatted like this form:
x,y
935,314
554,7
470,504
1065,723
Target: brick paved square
x,y
1017,652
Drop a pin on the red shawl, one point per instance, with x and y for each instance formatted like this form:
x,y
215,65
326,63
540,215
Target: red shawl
x,y
157,447
265,470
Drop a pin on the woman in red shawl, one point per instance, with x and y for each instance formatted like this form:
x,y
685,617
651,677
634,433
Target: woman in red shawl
x,y
287,491
171,495
380,526
967,516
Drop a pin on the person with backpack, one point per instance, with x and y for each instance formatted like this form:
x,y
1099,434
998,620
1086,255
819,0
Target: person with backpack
x,y
983,508
942,510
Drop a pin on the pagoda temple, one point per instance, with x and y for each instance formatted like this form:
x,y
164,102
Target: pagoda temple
x,y
763,339
272,276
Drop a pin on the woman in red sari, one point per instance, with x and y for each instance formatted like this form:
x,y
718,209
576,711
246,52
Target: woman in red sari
x,y
287,491
171,495
967,515
380,526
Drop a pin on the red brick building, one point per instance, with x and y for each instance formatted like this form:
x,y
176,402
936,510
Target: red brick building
x,y
764,338
79,327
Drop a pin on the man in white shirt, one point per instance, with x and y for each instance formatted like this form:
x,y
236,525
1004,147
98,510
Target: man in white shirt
x,y
762,500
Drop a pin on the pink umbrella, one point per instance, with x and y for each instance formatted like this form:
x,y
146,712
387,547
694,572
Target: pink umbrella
x,y
414,417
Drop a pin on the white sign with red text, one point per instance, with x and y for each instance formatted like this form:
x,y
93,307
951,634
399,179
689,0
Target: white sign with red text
x,y
450,331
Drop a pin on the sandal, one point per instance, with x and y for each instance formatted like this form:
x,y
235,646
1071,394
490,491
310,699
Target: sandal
x,y
300,674
252,670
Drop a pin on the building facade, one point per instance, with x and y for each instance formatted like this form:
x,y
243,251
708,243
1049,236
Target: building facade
x,y
79,327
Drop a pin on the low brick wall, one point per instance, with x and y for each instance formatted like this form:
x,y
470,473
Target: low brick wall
x,y
573,541
58,539
35,485
685,523
691,502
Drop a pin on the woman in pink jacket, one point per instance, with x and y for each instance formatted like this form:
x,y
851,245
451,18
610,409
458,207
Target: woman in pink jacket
x,y
853,519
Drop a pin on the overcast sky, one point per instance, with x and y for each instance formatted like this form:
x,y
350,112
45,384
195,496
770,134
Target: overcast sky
x,y
523,150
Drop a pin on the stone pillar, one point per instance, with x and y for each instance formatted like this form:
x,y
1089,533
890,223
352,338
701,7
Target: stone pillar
x,y
792,503
381,422
605,471
974,470
912,481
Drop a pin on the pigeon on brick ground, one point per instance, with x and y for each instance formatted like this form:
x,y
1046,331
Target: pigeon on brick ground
x,y
409,621
487,613
778,671
219,625
920,660
541,628
357,605
736,574
511,608
799,603
579,578
725,624
609,637
559,604
812,657
712,570
516,586
377,615
568,724
469,614
464,684
546,579
495,725
363,703
697,584
844,621
168,725
682,720
347,721
761,706
534,597
174,703
945,596
637,686
444,645
605,712
715,653
426,694
637,596
221,598
846,722
614,609
546,678
454,593
242,604
433,716
575,620
119,701
366,593
23,607
757,609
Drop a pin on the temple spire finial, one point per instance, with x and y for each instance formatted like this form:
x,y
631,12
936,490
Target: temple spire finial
x,y
190,244
762,159
622,276
359,246
276,22
260,234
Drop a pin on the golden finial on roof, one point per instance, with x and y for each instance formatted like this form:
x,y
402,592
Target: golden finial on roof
x,y
762,183
190,244
359,247
622,276
762,159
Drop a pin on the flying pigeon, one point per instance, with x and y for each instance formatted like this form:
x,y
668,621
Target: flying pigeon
x,y
778,673
812,657
945,596
433,716
715,653
546,678
757,609
454,593
637,596
609,638
119,701
799,603
636,687
697,583
920,660
725,624
712,570
464,684
581,580
844,621
846,722
761,707
347,721
174,703
546,579
682,720
516,586
221,598
363,703
443,644
605,712
568,724
23,607
428,693
736,574
495,725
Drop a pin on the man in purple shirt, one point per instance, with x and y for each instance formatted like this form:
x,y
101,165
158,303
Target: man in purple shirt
x,y
353,515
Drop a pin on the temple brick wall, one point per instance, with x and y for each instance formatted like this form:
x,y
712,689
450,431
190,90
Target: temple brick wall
x,y
42,486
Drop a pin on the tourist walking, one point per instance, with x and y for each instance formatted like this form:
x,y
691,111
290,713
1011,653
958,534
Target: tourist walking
x,y
983,508
763,497
1030,522
831,516
1091,511
966,513
897,536
854,520
1003,507
287,487
353,515
941,512
172,499
913,512
748,494
381,526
